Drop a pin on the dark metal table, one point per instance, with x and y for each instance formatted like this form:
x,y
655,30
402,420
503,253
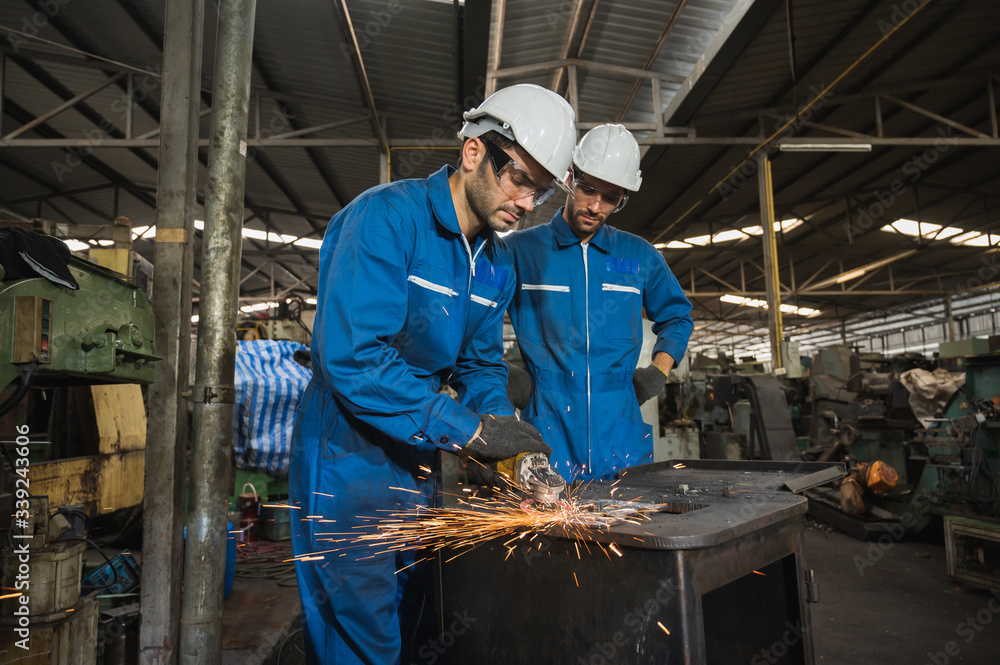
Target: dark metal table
x,y
717,577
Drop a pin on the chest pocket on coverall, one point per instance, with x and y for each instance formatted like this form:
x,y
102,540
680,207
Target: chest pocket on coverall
x,y
546,312
426,338
621,296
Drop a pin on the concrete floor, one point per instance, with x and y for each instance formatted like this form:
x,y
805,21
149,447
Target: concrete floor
x,y
888,604
893,604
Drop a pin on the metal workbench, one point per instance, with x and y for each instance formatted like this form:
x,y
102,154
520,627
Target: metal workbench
x,y
717,577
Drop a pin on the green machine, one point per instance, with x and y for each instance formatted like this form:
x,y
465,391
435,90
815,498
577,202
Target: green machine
x,y
52,335
962,453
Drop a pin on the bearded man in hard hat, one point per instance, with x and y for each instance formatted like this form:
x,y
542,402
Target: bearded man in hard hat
x,y
413,285
577,311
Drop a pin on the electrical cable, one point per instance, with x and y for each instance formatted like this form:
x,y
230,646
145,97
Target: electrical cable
x,y
93,545
27,375
27,378
288,638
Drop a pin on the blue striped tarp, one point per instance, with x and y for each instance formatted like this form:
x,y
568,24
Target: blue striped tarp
x,y
269,384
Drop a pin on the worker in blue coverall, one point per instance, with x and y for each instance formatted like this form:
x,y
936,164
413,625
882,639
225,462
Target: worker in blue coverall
x,y
413,285
577,312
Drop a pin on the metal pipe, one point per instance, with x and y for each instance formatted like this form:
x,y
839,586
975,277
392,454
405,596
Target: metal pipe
x,y
654,54
69,103
3,85
498,12
832,142
574,24
771,283
213,395
351,37
167,431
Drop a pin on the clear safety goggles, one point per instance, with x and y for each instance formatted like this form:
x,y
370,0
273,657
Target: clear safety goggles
x,y
613,201
516,181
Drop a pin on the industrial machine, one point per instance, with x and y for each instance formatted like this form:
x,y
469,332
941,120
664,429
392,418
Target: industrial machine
x,y
959,457
739,411
99,336
861,411
100,333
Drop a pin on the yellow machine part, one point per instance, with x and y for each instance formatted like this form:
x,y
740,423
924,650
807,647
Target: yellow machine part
x,y
880,477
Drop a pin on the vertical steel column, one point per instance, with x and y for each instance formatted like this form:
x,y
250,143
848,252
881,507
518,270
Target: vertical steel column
x,y
201,608
771,284
167,433
951,318
498,12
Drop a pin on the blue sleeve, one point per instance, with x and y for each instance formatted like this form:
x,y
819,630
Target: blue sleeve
x,y
479,376
667,307
362,308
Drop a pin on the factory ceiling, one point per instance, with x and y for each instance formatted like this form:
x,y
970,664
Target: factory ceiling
x,y
869,111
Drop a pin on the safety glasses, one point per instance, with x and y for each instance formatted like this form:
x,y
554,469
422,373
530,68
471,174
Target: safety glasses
x,y
613,201
515,180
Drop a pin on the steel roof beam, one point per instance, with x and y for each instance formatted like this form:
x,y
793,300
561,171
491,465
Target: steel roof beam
x,y
344,18
667,29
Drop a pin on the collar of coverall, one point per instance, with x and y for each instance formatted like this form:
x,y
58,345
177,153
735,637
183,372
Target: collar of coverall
x,y
443,206
566,237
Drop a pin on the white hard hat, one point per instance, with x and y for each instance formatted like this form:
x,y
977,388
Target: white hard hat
x,y
610,153
538,120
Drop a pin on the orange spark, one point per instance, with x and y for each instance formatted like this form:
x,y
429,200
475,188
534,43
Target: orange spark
x,y
663,627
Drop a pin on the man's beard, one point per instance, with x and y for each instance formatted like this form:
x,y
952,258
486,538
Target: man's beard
x,y
481,202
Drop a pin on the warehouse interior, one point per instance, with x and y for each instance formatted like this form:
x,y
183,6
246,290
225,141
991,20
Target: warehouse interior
x,y
821,178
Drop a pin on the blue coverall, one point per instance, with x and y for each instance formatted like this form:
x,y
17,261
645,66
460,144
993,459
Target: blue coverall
x,y
404,303
577,313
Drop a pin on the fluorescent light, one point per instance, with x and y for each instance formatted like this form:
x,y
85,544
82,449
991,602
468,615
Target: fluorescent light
x,y
825,147
76,245
310,301
258,307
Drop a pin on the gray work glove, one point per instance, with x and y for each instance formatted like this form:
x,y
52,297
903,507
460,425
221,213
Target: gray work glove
x,y
519,386
648,382
504,437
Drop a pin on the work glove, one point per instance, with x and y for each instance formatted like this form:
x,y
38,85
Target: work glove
x,y
519,386
648,382
504,437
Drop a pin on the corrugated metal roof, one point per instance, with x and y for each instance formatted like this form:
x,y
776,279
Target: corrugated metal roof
x,y
302,66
